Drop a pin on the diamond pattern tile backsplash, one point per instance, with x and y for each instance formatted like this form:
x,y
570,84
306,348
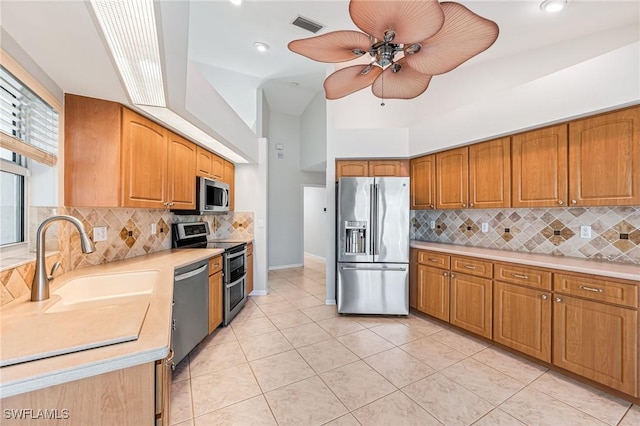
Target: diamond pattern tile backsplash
x,y
128,235
615,231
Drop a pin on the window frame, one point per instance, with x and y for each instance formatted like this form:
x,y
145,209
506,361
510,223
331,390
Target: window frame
x,y
29,80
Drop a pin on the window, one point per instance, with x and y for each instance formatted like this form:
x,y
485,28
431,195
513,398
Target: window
x,y
29,130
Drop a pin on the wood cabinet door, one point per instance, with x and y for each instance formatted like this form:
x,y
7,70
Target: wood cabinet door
x,y
413,278
352,168
204,162
423,182
215,301
490,174
164,373
229,177
144,162
471,303
182,173
597,341
398,168
249,288
522,319
604,159
217,167
433,292
452,178
539,176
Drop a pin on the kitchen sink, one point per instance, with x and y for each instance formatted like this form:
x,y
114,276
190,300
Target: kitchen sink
x,y
89,291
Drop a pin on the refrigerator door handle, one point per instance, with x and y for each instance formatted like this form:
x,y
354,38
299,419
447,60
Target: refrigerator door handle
x,y
365,268
372,219
376,235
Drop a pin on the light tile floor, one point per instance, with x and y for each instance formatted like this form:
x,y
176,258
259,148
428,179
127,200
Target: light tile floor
x,y
289,359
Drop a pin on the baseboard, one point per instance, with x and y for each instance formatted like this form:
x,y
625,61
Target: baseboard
x,y
330,302
295,265
258,293
315,256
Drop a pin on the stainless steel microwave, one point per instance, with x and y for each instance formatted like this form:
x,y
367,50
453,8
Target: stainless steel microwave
x,y
212,197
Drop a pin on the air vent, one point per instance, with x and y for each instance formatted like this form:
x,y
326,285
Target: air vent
x,y
307,24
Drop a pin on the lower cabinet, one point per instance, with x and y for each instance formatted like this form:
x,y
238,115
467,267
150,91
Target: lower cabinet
x,y
596,341
215,293
432,296
164,370
522,319
471,303
249,274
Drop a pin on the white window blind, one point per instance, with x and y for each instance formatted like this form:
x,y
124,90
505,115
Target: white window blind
x,y
28,125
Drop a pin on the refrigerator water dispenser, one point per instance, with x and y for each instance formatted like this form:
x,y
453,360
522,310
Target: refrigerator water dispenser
x,y
355,238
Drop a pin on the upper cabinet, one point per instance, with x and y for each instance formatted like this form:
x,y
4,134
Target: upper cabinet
x,y
452,178
371,168
489,174
228,177
539,175
423,182
604,159
115,157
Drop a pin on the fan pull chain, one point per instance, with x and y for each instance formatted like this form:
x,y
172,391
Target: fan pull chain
x,y
382,88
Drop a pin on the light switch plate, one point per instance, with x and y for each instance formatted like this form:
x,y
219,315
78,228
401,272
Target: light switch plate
x,y
260,223
99,233
485,227
154,228
433,224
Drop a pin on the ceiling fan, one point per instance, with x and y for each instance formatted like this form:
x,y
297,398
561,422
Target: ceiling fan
x,y
409,40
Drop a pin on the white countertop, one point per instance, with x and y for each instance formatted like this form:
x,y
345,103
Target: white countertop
x,y
595,267
152,344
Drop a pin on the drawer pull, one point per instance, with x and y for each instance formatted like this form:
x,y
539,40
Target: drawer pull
x,y
593,289
544,297
433,259
524,277
558,300
469,266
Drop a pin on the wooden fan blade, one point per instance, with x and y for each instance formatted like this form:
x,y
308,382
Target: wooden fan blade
x,y
411,20
349,80
463,36
404,84
337,46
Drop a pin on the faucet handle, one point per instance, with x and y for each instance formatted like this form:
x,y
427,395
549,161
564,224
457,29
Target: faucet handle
x,y
54,269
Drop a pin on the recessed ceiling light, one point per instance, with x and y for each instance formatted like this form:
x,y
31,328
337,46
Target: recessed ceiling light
x,y
294,84
236,2
553,5
262,47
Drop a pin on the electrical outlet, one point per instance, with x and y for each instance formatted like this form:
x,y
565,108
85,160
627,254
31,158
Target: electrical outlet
x,y
154,229
585,232
433,224
485,227
99,233
260,223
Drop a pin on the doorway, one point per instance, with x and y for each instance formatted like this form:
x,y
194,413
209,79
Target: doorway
x,y
314,218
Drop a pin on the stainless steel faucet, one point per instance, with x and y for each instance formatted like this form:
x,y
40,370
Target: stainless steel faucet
x,y
40,285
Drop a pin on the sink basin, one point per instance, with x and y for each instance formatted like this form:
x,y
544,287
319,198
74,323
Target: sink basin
x,y
83,290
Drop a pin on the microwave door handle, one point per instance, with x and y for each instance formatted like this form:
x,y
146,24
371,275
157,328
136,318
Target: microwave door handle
x,y
225,198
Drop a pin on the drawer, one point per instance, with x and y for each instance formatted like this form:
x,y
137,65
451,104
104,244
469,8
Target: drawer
x,y
471,266
215,264
249,249
437,260
523,275
597,288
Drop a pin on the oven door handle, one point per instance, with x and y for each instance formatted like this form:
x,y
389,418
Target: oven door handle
x,y
236,282
234,255
191,274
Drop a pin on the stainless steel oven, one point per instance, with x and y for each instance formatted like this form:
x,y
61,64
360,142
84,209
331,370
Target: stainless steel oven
x,y
194,235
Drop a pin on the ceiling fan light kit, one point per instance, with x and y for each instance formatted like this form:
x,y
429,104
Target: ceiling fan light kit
x,y
409,41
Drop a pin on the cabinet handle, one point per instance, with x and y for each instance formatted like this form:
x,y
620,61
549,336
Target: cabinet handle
x,y
464,205
560,202
574,202
432,259
446,274
544,297
558,300
452,276
522,276
431,205
469,266
593,289
471,205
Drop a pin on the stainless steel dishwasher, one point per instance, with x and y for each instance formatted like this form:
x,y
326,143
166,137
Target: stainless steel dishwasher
x,y
190,323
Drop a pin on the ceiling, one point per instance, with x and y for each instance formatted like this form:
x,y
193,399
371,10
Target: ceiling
x,y
217,38
221,36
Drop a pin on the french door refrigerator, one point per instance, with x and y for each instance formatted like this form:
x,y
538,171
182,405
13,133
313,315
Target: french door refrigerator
x,y
373,246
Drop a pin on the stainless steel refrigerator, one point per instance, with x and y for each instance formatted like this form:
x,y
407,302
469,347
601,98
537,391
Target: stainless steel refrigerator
x,y
373,246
